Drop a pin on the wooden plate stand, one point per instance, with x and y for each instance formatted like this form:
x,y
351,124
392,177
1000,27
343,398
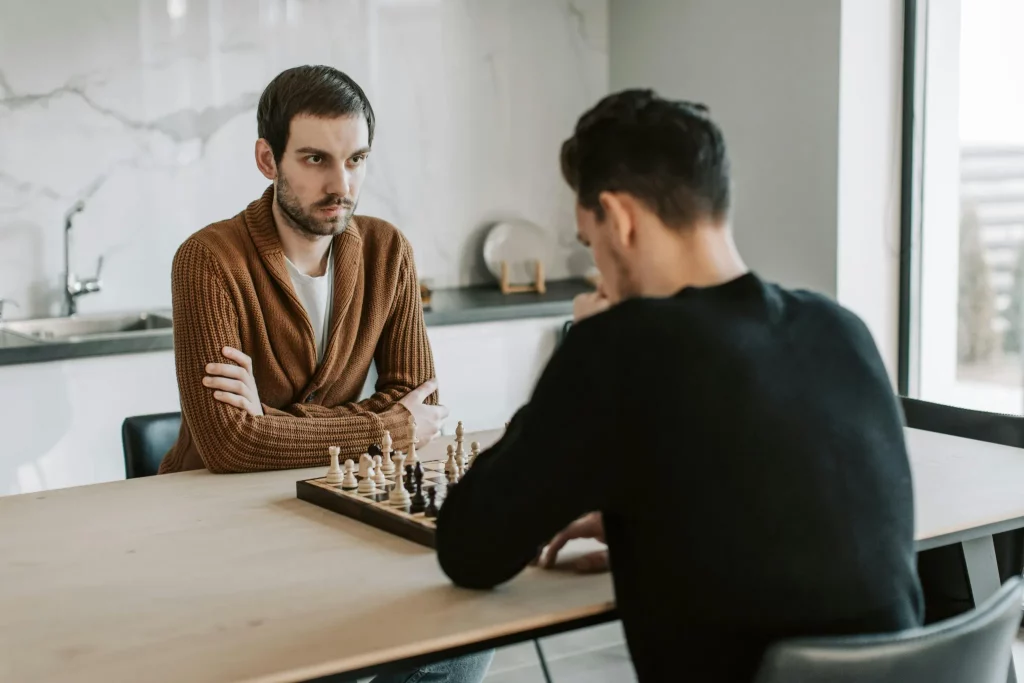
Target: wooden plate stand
x,y
538,284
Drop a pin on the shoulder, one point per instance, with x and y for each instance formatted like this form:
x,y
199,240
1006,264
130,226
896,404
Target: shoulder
x,y
382,241
215,246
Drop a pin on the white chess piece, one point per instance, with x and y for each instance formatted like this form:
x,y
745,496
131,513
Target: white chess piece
x,y
399,497
474,452
460,452
349,482
451,466
334,472
378,468
411,459
366,483
389,466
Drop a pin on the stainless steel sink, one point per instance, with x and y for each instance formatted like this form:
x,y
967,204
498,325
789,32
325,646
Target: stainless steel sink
x,y
87,327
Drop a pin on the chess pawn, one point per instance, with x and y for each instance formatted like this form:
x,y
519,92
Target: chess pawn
x,y
366,483
334,473
399,497
349,482
431,510
389,465
474,452
379,479
451,466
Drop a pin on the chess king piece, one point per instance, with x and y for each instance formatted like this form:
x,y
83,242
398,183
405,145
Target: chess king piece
x,y
334,473
460,453
389,465
399,497
349,482
366,483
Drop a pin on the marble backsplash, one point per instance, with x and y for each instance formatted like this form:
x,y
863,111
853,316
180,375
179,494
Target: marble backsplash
x,y
145,110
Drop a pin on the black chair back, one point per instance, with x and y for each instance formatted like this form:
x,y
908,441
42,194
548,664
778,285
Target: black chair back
x,y
942,570
146,440
974,647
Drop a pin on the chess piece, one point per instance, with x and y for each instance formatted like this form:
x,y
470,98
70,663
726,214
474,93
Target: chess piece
x,y
460,453
399,497
349,482
389,465
365,465
412,459
451,466
378,472
374,450
334,474
410,481
431,510
366,483
418,502
474,452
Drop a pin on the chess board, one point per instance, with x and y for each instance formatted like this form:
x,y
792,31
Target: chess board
x,y
374,509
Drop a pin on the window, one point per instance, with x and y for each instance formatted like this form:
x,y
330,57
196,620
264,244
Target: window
x,y
963,205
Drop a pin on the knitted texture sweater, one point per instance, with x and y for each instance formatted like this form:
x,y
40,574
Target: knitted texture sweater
x,y
230,287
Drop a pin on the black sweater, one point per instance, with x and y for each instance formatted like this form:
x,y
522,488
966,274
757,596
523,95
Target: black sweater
x,y
746,449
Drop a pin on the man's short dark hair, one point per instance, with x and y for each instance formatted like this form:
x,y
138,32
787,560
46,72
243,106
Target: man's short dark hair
x,y
668,154
320,91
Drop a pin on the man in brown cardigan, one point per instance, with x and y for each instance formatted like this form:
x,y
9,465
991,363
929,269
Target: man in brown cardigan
x,y
280,311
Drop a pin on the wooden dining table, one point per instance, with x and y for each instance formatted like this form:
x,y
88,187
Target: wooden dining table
x,y
230,578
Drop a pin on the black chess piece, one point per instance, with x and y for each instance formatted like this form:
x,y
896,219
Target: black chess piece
x,y
418,471
418,502
431,510
410,483
375,450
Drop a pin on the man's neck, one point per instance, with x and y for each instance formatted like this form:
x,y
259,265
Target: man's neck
x,y
307,252
703,256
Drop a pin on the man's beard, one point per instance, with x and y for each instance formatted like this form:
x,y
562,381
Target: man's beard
x,y
303,219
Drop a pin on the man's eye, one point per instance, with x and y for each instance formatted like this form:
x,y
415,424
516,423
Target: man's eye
x,y
314,159
358,159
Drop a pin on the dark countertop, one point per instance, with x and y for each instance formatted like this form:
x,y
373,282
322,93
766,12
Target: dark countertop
x,y
457,306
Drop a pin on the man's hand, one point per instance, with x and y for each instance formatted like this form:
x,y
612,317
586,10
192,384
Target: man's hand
x,y
427,418
588,526
591,303
234,384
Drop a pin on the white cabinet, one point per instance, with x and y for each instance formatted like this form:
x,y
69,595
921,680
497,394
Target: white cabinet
x,y
60,422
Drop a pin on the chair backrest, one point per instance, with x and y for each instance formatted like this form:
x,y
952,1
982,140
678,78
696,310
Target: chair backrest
x,y
1007,430
146,440
974,647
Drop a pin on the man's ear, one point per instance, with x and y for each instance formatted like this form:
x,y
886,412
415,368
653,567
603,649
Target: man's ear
x,y
620,215
265,160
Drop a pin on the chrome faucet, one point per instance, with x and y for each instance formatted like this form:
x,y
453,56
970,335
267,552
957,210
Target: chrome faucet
x,y
74,287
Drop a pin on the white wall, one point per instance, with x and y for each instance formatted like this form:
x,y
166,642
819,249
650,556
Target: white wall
x,y
870,133
147,109
769,73
808,95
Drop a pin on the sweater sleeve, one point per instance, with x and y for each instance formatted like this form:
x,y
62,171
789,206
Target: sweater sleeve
x,y
552,466
229,439
403,358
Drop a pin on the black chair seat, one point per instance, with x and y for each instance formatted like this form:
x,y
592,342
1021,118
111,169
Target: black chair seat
x,y
146,440
971,648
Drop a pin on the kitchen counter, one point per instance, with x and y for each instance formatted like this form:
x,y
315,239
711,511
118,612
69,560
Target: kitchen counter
x,y
456,306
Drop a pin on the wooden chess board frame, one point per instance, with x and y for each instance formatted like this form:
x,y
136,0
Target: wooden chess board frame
x,y
374,509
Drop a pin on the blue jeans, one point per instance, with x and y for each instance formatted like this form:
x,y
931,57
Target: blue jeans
x,y
465,669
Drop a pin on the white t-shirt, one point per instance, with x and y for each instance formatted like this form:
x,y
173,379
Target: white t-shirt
x,y
316,295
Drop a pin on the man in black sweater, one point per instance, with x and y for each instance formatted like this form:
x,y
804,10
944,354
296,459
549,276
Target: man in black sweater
x,y
738,444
